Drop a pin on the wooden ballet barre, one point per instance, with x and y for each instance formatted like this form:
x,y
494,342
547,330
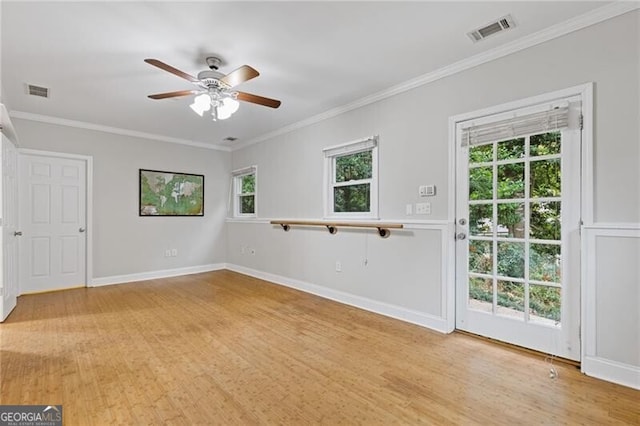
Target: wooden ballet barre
x,y
332,227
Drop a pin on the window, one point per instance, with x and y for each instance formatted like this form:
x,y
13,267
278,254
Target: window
x,y
244,191
351,175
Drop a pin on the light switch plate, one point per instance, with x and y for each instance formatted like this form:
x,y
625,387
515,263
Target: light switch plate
x,y
427,190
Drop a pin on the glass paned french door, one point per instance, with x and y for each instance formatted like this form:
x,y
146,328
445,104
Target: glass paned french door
x,y
517,249
515,252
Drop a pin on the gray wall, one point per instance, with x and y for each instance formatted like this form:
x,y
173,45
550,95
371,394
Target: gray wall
x,y
414,134
414,150
125,243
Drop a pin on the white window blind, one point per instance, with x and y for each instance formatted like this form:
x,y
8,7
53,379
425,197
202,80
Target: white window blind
x,y
556,118
244,171
351,147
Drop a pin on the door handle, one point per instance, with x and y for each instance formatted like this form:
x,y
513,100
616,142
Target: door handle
x,y
81,230
461,236
17,233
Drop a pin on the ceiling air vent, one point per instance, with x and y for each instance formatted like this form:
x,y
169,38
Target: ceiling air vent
x,y
502,24
43,92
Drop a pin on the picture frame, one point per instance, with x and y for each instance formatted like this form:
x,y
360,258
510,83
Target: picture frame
x,y
163,193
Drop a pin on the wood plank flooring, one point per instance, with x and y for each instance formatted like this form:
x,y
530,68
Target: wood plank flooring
x,y
223,348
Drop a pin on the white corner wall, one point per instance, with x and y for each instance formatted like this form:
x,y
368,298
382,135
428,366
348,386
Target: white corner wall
x,y
406,274
127,247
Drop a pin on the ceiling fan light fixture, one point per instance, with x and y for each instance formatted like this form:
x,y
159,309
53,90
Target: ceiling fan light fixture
x,y
226,107
201,104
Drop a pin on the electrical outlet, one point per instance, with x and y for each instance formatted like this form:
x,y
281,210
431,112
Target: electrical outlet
x,y
174,252
423,208
167,253
338,267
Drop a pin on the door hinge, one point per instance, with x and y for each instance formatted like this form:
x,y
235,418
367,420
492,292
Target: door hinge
x,y
581,121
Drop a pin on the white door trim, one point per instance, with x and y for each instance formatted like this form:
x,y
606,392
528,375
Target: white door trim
x,y
585,91
89,200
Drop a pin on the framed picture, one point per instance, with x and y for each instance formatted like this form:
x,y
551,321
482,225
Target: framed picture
x,y
171,194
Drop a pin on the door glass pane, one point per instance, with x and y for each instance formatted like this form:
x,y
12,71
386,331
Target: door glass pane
x,y
545,144
481,256
511,149
481,294
511,180
545,221
510,299
481,183
521,204
480,219
544,304
481,154
511,259
511,220
545,178
545,262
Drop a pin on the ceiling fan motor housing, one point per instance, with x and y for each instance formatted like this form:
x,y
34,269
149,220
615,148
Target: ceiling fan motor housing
x,y
211,79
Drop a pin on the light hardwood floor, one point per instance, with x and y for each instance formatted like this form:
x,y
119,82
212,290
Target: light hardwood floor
x,y
223,348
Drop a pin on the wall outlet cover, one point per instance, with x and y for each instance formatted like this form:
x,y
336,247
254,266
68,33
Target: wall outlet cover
x,y
423,208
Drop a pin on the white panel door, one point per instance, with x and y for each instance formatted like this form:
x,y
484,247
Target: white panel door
x,y
53,221
9,228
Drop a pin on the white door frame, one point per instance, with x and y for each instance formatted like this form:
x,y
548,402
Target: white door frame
x,y
89,200
585,91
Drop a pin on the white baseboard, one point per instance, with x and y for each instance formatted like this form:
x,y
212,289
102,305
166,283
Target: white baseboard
x,y
393,311
166,273
612,371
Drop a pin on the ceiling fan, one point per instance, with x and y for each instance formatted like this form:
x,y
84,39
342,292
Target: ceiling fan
x,y
215,89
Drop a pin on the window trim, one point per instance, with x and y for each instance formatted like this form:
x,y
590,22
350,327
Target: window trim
x,y
236,185
370,143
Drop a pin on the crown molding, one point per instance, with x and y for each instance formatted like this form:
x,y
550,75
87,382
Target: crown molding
x,y
558,30
115,130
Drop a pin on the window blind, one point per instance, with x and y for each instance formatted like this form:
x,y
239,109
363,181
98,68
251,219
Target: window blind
x,y
537,122
351,147
244,171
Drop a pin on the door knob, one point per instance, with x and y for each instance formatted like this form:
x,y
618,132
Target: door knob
x,y
81,230
17,234
461,236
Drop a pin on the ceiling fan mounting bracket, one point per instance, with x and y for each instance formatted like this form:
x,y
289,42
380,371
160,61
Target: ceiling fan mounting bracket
x,y
214,62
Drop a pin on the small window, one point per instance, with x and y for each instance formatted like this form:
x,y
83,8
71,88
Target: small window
x,y
352,179
244,190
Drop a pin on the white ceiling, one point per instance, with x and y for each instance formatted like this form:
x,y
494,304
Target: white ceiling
x,y
313,56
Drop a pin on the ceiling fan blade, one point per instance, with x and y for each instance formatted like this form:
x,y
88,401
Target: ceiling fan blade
x,y
260,100
240,75
174,94
172,70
